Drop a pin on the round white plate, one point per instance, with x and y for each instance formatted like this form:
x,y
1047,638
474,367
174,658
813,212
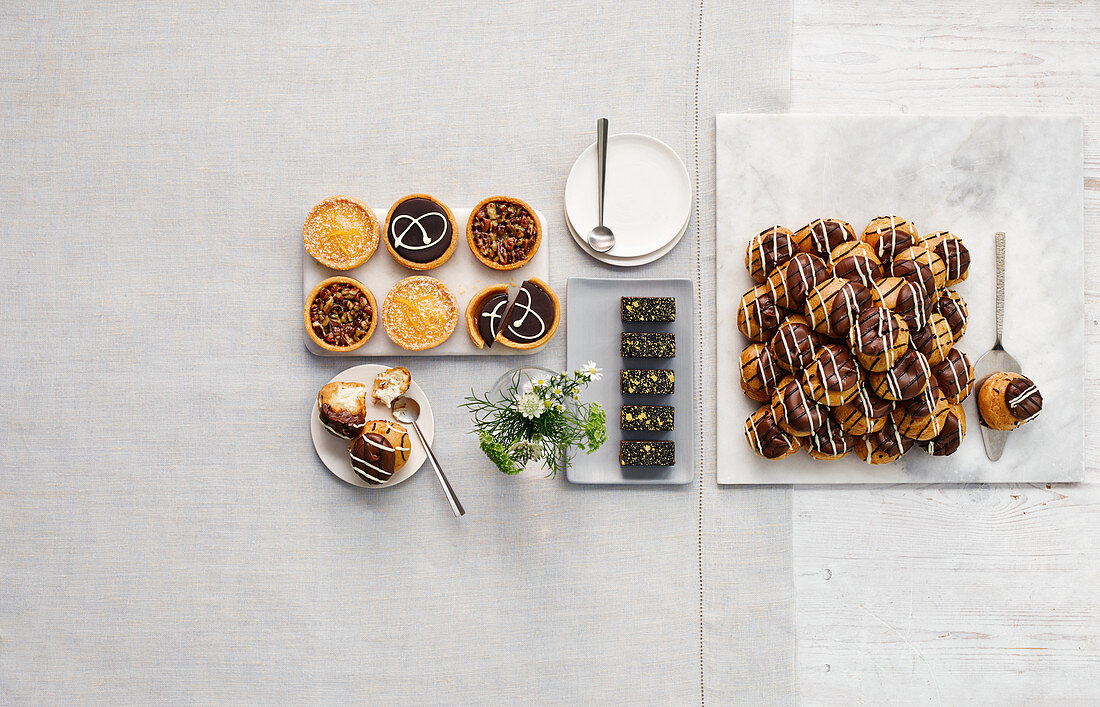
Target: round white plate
x,y
647,199
625,262
333,451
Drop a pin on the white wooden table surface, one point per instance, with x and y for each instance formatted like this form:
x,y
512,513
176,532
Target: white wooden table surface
x,y
932,594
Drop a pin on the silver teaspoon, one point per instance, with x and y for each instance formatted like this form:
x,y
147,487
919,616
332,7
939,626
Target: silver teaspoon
x,y
996,359
601,238
407,410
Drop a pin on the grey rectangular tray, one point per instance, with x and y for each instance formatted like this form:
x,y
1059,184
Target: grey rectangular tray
x,y
593,328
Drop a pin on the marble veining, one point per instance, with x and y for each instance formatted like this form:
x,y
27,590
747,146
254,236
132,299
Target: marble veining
x,y
972,176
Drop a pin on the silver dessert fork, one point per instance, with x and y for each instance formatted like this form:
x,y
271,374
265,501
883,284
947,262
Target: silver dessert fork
x,y
996,359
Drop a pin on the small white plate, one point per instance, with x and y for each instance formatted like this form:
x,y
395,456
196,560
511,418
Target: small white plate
x,y
625,262
333,451
647,198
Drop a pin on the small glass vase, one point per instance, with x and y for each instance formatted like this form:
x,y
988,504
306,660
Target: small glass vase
x,y
519,377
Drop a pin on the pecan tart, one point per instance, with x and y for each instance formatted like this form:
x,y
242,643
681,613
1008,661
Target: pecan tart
x,y
340,314
420,232
532,318
419,313
503,233
485,315
341,233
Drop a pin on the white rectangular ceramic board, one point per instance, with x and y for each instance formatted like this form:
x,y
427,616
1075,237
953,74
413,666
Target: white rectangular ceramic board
x,y
595,323
972,176
464,274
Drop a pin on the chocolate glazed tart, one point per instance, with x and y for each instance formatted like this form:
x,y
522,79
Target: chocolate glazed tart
x,y
532,318
485,314
420,232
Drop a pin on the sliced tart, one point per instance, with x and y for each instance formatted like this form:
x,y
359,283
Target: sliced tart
x,y
532,318
485,314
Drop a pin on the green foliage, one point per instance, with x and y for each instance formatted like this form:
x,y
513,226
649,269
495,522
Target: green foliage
x,y
544,422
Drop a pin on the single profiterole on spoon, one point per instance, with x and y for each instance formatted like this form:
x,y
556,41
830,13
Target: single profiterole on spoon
x,y
406,410
996,360
600,237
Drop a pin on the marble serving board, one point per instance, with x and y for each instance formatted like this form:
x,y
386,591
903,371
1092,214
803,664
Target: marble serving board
x,y
463,274
973,176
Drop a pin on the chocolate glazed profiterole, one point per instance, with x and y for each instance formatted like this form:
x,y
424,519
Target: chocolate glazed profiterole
x,y
953,253
878,338
759,373
1008,400
834,376
757,314
795,345
833,305
934,340
796,412
920,266
904,298
829,441
822,235
766,437
767,251
955,376
885,446
904,380
921,418
889,235
855,261
951,434
792,281
864,413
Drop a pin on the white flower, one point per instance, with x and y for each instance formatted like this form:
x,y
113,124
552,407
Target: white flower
x,y
548,403
529,406
556,391
540,382
591,372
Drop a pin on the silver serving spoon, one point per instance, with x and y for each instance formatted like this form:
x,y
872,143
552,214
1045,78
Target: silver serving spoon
x,y
600,238
407,410
996,359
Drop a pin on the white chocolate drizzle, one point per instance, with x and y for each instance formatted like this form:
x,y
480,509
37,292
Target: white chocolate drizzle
x,y
426,240
528,311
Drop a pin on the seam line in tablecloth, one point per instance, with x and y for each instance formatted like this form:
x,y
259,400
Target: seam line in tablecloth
x,y
700,341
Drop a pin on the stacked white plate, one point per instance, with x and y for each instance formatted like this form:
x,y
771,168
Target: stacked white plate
x,y
647,199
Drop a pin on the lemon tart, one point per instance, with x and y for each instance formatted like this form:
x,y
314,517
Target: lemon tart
x,y
341,233
419,313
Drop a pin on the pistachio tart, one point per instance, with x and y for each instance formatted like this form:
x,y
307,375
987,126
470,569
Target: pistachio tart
x,y
340,314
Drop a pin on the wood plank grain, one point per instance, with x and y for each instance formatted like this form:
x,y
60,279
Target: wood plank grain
x,y
938,594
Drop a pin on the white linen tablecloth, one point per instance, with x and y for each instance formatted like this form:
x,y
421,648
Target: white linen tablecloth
x,y
166,530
